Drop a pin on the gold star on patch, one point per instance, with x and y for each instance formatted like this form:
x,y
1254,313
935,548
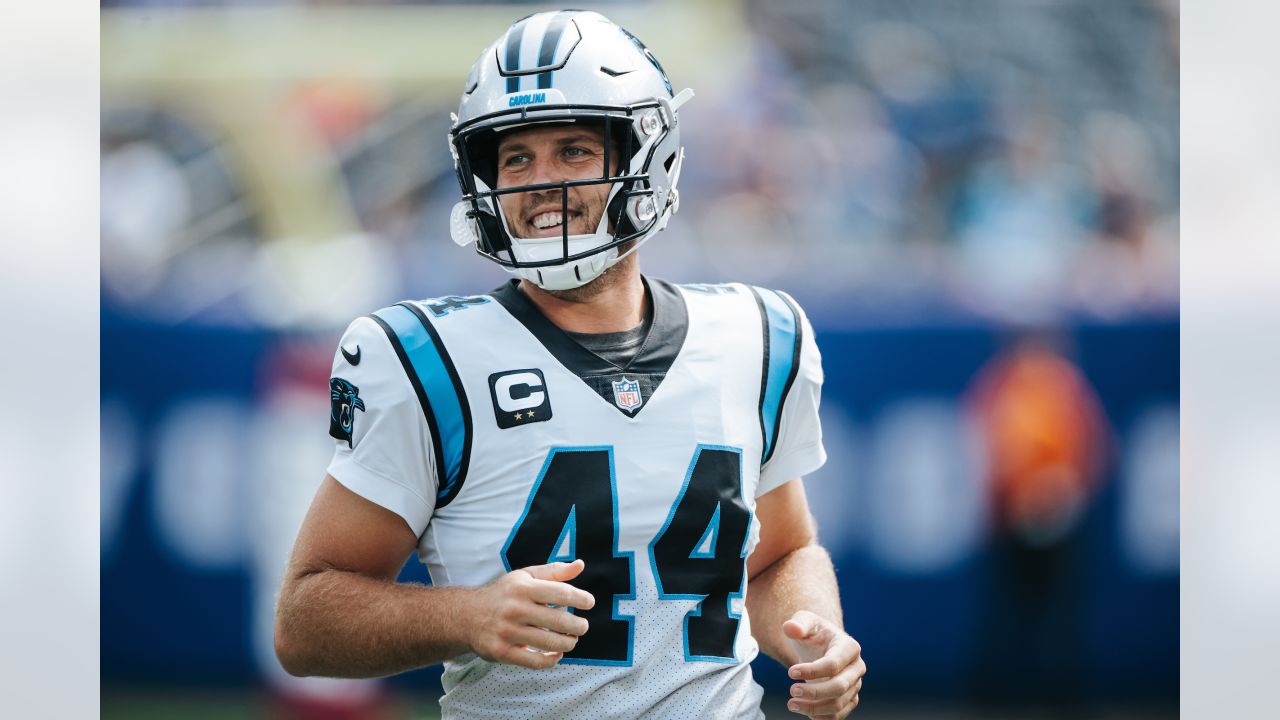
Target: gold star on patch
x,y
530,413
519,416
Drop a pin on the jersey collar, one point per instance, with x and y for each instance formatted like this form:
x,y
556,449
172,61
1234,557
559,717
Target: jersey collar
x,y
656,354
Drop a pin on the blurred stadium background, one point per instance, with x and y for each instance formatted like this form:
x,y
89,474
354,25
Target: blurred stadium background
x,y
976,202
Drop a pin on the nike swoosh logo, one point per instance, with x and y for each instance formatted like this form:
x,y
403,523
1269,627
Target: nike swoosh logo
x,y
353,358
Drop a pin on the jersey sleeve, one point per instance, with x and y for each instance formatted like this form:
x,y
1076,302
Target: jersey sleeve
x,y
798,448
382,445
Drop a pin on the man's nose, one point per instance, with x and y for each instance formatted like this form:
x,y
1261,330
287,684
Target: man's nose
x,y
547,170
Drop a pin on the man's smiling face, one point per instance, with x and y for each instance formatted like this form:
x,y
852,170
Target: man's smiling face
x,y
546,154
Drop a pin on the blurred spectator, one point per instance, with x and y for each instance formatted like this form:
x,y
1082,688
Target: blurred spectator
x,y
1133,259
1017,161
146,202
929,107
1045,444
1020,223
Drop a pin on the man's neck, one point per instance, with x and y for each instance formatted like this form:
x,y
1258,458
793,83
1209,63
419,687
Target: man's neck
x,y
619,305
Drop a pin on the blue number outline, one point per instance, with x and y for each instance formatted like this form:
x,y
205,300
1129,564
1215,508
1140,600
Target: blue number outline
x,y
701,597
630,556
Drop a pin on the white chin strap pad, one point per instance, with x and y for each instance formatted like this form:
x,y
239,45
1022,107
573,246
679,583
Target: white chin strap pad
x,y
571,275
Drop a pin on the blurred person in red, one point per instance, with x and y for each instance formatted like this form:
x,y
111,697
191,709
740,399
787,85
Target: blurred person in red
x,y
1044,439
285,450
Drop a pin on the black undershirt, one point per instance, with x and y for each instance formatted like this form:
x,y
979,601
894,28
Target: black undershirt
x,y
617,348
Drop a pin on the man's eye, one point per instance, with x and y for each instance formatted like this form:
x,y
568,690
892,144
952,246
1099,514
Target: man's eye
x,y
515,160
572,151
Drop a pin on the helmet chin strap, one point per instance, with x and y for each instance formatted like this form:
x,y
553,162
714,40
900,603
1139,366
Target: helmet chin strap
x,y
571,275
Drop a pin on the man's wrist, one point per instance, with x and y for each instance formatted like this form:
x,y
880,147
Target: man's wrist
x,y
464,618
451,629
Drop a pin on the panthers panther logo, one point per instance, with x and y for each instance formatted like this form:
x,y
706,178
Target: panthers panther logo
x,y
344,400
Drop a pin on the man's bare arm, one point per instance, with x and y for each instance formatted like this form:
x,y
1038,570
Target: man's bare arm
x,y
794,605
788,571
341,613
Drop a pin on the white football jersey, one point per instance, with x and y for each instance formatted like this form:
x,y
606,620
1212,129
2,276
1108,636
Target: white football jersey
x,y
503,444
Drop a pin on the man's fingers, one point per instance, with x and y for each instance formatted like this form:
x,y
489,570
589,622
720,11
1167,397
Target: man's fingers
x,y
839,655
824,667
557,571
551,585
834,687
831,707
517,655
544,640
848,702
549,592
810,635
560,621
801,625
794,630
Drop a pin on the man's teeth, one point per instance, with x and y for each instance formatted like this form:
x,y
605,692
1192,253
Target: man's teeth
x,y
547,219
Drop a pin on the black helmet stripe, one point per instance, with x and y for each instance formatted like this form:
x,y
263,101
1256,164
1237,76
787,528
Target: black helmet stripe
x,y
550,41
515,35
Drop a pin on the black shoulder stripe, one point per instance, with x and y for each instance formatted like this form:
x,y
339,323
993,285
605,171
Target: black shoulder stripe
x,y
437,449
764,366
462,402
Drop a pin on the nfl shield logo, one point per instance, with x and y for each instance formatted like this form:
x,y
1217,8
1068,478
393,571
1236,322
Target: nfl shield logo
x,y
626,394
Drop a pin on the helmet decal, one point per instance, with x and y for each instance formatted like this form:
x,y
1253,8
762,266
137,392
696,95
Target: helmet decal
x,y
653,60
545,62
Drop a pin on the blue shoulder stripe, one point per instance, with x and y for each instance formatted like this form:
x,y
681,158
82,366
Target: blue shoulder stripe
x,y
782,330
435,379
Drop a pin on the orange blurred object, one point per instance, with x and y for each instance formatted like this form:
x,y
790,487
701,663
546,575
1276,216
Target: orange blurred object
x,y
1043,433
336,108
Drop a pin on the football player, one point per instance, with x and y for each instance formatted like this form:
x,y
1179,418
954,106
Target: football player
x,y
601,470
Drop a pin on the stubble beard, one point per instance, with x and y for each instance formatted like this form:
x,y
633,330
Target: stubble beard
x,y
611,278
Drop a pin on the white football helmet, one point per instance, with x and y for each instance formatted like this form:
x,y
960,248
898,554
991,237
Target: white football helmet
x,y
568,66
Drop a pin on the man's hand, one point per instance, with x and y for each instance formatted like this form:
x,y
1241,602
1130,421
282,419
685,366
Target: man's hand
x,y
830,667
513,623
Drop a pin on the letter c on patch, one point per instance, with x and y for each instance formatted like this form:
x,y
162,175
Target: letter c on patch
x,y
519,391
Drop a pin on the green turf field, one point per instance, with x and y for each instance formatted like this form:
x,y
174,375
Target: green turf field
x,y
151,705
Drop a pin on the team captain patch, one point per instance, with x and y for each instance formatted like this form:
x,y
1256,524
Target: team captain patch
x,y
626,394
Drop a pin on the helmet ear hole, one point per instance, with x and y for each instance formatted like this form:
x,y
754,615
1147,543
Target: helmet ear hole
x,y
618,214
625,145
482,152
493,239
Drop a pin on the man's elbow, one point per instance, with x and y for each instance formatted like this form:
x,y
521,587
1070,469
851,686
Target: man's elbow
x,y
289,652
291,646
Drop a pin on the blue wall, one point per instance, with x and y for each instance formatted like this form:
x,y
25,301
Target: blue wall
x,y
927,633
